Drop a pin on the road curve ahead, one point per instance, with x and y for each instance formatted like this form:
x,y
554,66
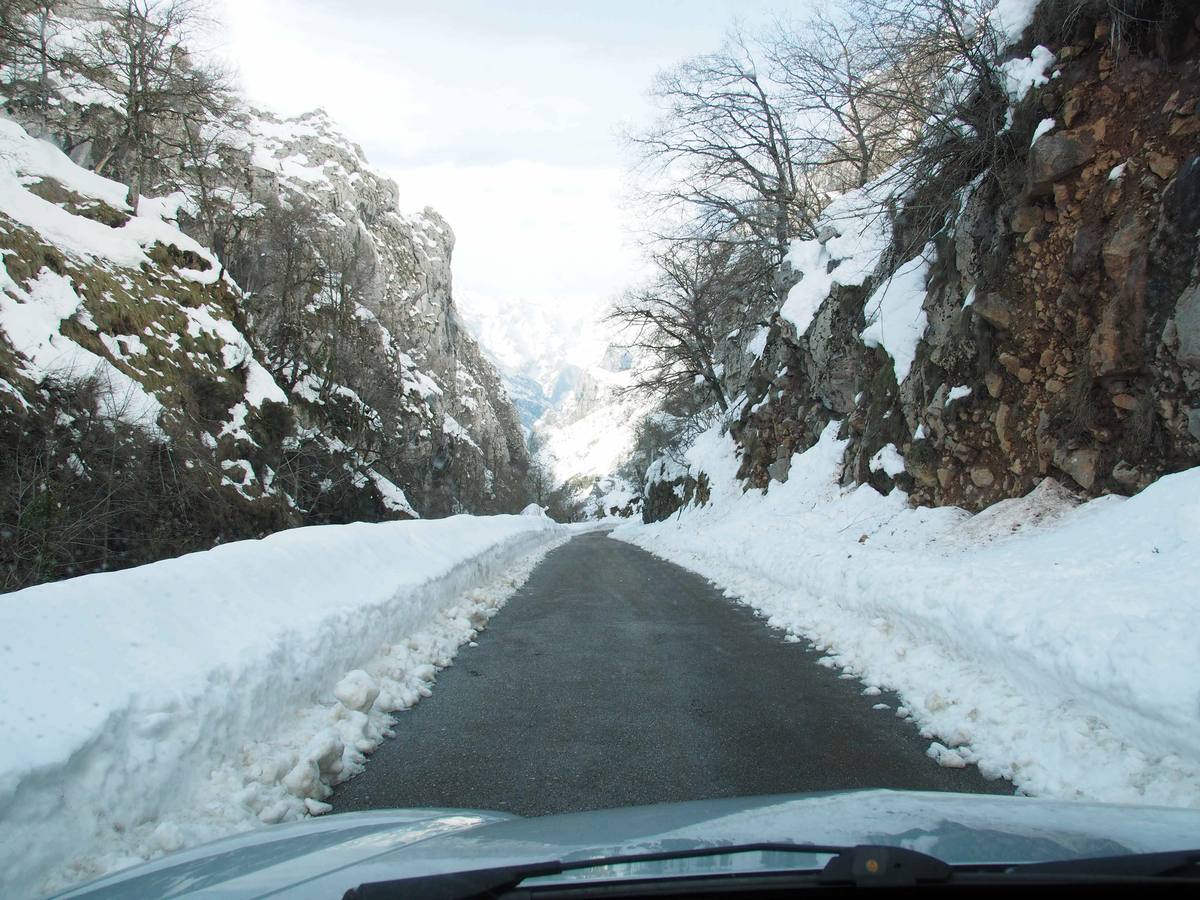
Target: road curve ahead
x,y
614,678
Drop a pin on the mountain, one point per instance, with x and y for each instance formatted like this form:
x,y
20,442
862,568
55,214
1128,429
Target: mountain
x,y
262,340
568,378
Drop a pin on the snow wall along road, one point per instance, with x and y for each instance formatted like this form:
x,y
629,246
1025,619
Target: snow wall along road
x,y
155,708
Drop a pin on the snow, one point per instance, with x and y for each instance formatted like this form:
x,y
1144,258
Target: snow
x,y
1011,17
1117,172
957,392
758,343
887,460
1044,127
1022,74
31,318
895,315
1043,640
31,315
23,157
394,498
169,704
591,433
860,235
453,428
260,386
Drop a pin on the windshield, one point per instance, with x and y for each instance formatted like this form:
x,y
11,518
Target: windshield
x,y
461,435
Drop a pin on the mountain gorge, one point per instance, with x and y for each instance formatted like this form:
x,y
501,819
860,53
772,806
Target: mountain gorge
x,y
258,338
569,380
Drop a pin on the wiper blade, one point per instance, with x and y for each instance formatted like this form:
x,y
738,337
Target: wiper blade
x,y
860,866
482,883
1168,864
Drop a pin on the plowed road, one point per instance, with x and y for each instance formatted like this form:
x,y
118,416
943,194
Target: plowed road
x,y
613,678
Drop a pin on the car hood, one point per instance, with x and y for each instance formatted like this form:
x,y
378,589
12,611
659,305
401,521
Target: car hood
x,y
322,857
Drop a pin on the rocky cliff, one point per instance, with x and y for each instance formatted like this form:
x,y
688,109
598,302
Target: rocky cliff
x,y
464,450
1048,324
264,340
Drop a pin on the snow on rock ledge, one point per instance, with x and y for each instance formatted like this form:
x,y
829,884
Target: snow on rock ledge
x,y
166,705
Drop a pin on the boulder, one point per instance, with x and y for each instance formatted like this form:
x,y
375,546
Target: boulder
x,y
1026,218
1117,341
994,309
1056,156
1187,326
779,469
1081,464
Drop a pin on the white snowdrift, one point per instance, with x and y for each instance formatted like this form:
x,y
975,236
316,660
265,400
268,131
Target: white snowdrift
x,y
1051,643
166,705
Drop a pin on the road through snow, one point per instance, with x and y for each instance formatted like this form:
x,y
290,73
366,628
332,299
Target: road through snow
x,y
615,678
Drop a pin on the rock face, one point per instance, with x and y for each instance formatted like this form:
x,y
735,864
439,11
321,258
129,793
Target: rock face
x,y
1065,294
465,451
266,341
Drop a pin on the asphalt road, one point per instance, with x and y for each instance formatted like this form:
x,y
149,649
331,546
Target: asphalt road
x,y
613,678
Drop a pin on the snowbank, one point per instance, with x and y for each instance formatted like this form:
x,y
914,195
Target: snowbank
x,y
1051,643
162,706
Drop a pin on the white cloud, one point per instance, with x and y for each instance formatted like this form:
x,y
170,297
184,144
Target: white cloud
x,y
545,233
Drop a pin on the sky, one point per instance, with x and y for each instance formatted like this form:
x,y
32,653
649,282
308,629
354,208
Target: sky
x,y
504,115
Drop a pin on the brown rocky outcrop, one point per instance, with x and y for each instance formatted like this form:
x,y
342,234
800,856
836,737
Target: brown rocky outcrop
x,y
1065,295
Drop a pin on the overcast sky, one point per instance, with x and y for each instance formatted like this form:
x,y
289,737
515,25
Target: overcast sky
x,y
503,115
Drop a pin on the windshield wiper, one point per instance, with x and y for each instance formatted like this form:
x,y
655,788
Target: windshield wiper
x,y
861,866
1169,864
876,865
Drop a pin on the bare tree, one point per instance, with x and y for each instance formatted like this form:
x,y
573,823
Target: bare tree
x,y
138,54
838,92
722,155
28,29
942,69
676,321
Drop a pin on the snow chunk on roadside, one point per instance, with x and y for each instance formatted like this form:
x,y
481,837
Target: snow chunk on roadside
x,y
946,757
158,737
357,690
1044,640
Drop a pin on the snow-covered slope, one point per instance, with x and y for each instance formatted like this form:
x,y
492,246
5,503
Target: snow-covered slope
x,y
163,706
402,284
540,350
271,330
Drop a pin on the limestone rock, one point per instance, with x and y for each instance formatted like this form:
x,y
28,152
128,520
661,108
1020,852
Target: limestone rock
x,y
1057,155
779,469
1081,464
1161,165
993,308
1187,326
981,476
